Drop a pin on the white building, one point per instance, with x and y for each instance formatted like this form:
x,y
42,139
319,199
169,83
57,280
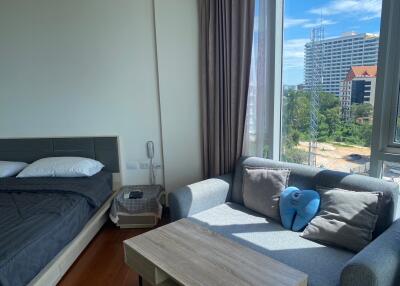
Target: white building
x,y
339,55
357,87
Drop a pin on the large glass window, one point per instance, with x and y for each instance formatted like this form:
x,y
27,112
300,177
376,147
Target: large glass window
x,y
330,57
391,171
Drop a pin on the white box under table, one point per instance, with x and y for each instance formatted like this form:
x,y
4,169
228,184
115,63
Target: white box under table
x,y
137,213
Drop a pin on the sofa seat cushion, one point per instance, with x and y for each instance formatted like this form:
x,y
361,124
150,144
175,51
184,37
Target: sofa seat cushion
x,y
323,264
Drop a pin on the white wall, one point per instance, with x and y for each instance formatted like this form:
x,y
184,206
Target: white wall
x,y
85,68
178,67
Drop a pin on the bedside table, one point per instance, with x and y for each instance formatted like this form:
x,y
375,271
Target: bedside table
x,y
143,212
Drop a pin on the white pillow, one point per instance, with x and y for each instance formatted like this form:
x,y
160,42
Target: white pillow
x,y
62,167
9,169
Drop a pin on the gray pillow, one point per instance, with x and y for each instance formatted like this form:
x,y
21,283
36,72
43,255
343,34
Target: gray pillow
x,y
9,169
346,219
262,188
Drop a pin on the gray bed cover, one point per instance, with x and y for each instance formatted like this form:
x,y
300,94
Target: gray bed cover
x,y
39,216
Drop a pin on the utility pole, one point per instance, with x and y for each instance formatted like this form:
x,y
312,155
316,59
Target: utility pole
x,y
317,54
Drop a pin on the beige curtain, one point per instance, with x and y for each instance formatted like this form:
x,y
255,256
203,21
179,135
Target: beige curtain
x,y
226,33
256,130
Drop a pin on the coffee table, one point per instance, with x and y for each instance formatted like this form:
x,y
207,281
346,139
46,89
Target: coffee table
x,y
184,253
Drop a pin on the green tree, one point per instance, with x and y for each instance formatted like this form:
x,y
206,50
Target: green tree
x,y
366,134
328,116
361,110
296,123
296,115
323,128
332,119
327,101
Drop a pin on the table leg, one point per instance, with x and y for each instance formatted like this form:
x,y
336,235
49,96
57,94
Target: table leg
x,y
140,281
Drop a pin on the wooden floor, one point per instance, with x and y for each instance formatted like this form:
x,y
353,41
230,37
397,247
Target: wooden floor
x,y
102,262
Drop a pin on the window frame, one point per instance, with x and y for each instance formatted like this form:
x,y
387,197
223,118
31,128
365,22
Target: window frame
x,y
278,89
274,74
383,146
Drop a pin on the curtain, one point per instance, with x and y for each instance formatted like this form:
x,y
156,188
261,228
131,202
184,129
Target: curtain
x,y
256,127
226,31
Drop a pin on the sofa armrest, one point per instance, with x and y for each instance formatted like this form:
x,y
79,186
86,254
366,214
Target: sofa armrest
x,y
200,196
378,264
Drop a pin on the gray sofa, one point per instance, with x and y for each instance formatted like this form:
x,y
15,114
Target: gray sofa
x,y
218,205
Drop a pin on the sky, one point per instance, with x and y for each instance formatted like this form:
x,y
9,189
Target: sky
x,y
338,16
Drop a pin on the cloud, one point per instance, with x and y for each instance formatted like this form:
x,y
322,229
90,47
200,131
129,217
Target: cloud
x,y
291,22
370,9
367,18
293,53
317,23
305,23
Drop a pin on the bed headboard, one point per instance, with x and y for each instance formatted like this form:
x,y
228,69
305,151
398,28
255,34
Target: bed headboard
x,y
103,149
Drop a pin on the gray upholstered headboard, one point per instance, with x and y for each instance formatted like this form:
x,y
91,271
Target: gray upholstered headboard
x,y
103,149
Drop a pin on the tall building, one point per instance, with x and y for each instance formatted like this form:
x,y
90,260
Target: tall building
x,y
357,87
338,55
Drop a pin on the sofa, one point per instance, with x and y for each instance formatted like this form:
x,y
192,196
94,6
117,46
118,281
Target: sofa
x,y
217,204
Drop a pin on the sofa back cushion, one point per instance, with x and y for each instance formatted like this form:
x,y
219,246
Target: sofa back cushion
x,y
262,188
306,177
347,219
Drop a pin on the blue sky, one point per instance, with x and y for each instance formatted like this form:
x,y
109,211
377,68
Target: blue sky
x,y
338,16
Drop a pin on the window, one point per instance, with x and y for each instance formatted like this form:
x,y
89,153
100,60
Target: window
x,y
316,128
391,172
355,115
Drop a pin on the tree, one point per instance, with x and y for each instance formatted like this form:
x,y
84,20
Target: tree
x,y
328,101
296,123
361,110
366,134
296,106
323,128
332,117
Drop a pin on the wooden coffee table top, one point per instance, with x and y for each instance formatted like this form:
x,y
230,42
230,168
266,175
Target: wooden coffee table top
x,y
184,253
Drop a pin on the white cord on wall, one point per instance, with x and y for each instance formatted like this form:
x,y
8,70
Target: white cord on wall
x,y
150,155
152,173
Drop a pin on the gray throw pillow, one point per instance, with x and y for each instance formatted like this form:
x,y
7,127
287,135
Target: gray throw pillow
x,y
262,188
346,218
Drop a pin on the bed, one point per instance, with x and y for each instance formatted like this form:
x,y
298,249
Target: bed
x,y
46,223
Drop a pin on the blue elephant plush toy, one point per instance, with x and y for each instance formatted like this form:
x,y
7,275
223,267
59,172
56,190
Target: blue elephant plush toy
x,y
298,207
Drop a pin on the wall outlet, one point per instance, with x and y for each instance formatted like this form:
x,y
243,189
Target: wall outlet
x,y
144,165
141,165
132,165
